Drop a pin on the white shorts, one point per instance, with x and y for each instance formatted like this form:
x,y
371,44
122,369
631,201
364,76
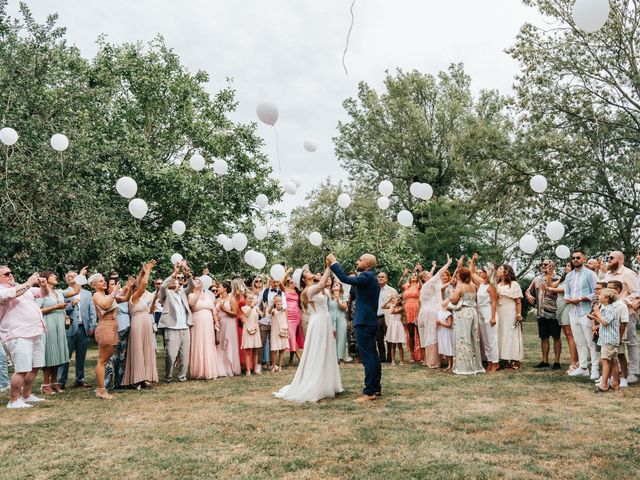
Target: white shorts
x,y
27,353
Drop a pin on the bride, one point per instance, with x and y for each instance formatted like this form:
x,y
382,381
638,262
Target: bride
x,y
318,374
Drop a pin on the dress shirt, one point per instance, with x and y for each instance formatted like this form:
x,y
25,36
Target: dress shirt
x,y
20,317
629,280
385,294
580,283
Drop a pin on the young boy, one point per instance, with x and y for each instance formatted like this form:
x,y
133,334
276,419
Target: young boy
x,y
609,338
622,312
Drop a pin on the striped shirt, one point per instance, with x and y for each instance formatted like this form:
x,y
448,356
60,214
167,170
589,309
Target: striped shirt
x,y
609,333
578,284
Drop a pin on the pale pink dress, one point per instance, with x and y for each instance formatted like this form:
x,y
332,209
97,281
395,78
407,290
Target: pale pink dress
x,y
203,358
279,322
430,301
395,330
251,340
141,354
229,348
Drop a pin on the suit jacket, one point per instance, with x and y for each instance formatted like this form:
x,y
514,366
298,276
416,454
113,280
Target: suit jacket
x,y
367,292
168,317
85,310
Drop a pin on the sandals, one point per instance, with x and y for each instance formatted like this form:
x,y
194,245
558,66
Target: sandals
x,y
57,388
102,393
47,389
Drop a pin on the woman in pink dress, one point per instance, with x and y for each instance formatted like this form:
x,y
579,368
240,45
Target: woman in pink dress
x,y
411,300
294,317
203,356
228,349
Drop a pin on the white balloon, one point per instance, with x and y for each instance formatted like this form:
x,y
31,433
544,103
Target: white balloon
x,y
383,203
207,281
249,256
528,244
277,272
227,244
315,238
8,136
221,167
414,189
538,183
260,232
310,144
297,181
239,241
178,227
344,200
138,208
259,260
127,187
554,230
385,188
221,238
81,280
262,200
562,251
267,112
590,15
176,258
59,142
425,192
197,162
290,187
405,218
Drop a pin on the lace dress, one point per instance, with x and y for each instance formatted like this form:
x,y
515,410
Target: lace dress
x,y
467,359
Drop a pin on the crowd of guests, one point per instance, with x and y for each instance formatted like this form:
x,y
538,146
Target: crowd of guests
x,y
466,322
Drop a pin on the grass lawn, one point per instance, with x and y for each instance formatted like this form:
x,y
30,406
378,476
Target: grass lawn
x,y
524,424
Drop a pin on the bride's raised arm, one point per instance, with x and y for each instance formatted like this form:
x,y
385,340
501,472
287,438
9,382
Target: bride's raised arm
x,y
313,289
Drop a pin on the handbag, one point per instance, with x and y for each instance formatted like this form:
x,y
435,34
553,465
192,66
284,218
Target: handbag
x,y
283,333
252,330
67,322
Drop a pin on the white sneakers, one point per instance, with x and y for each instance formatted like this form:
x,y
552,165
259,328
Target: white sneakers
x,y
20,403
624,383
32,399
595,373
258,369
580,372
631,378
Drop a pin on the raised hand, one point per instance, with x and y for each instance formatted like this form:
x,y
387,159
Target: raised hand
x,y
84,270
449,260
150,265
34,279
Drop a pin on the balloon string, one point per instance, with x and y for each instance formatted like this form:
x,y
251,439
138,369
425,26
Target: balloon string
x,y
346,47
277,151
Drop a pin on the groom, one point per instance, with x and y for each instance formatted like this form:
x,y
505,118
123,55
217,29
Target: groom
x,y
365,321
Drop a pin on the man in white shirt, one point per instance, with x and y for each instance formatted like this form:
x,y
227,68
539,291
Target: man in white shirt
x,y
386,292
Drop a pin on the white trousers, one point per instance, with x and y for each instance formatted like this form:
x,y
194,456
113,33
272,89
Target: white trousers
x,y
632,344
489,335
582,334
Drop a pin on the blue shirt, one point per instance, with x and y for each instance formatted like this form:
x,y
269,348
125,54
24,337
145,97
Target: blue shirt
x,y
609,333
577,284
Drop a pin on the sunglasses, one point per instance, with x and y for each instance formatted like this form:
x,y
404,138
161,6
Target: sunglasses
x,y
611,257
545,264
180,278
7,274
576,258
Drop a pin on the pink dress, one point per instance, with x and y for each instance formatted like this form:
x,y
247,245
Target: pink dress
x,y
395,329
279,321
296,334
203,358
229,348
251,340
141,354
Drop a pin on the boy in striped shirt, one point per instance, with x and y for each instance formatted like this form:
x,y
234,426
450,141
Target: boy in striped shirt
x,y
609,338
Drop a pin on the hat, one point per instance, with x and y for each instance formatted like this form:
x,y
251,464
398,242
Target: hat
x,y
297,276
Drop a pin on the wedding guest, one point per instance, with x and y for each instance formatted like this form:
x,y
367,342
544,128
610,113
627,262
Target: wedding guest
x,y
4,371
106,300
114,369
622,314
562,314
279,332
338,311
629,295
140,367
446,339
265,321
430,300
545,302
579,286
467,359
238,290
156,309
411,303
509,317
250,333
203,356
56,350
294,316
487,301
176,319
82,313
21,328
608,339
228,349
386,292
396,336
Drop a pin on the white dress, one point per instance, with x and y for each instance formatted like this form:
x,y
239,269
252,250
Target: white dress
x,y
318,374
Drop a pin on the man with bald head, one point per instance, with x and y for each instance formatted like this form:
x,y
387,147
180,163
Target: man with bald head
x,y
365,322
629,295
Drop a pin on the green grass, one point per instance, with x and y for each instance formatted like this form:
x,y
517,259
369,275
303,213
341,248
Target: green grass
x,y
525,424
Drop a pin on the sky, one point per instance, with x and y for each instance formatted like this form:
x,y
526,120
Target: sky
x,y
290,52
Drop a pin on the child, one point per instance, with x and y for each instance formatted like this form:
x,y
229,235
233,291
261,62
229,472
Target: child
x,y
446,342
279,338
250,334
395,335
608,339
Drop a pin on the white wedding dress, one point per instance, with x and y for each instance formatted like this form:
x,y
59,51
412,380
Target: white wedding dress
x,y
318,374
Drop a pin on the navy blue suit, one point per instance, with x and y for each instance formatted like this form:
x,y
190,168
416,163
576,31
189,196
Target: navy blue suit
x,y
78,334
365,324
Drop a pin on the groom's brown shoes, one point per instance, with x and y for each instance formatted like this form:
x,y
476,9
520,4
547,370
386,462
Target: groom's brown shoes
x,y
365,398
